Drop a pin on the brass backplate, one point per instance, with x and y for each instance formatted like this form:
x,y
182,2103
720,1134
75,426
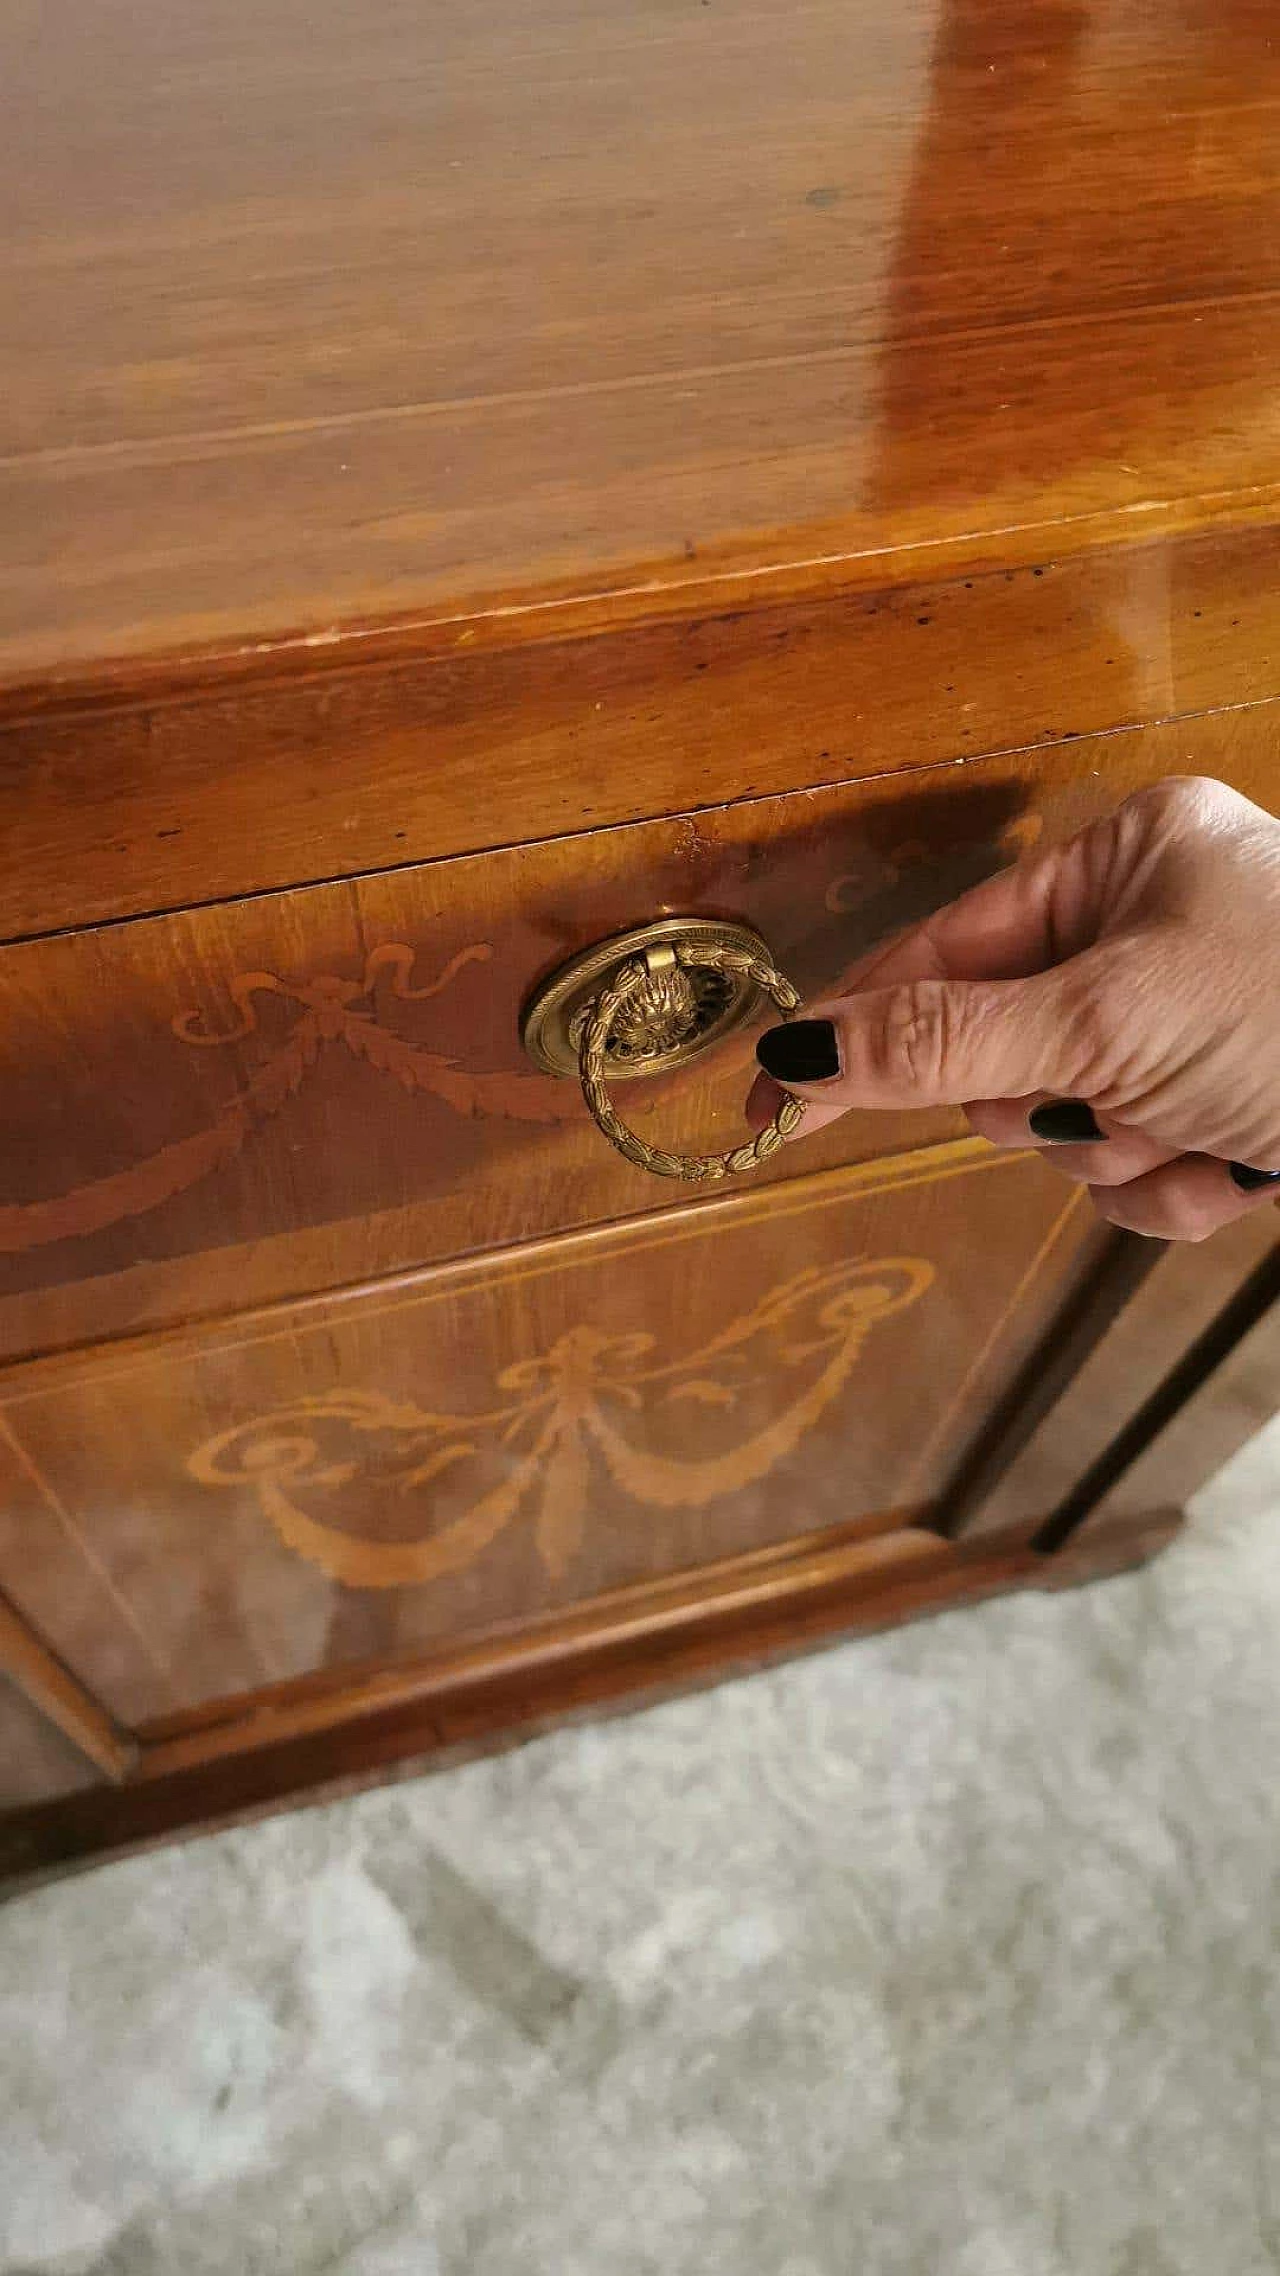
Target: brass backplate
x,y
551,1022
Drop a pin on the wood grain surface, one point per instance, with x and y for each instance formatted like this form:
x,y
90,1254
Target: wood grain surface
x,y
224,1768
278,1095
237,784
473,482
37,1764
363,1477
318,316
51,1687
1188,1288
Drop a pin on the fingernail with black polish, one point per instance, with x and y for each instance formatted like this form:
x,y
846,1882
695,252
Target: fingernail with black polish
x,y
805,1051
1249,1180
1064,1122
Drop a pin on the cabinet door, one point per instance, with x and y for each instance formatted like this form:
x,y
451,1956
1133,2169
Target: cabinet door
x,y
37,1764
495,1447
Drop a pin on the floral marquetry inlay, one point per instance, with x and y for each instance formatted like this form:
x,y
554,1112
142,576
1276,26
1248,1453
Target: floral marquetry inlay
x,y
591,1403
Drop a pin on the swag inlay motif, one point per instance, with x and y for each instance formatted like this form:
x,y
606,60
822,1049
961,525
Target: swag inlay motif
x,y
322,1466
332,1011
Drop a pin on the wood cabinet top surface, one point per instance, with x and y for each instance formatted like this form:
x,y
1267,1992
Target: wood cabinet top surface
x,y
320,317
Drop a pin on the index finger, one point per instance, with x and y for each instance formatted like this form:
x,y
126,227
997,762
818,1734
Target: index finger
x,y
1024,920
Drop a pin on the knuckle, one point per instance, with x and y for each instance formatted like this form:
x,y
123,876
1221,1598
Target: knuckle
x,y
1176,794
1106,1173
1177,1217
1185,805
1087,1024
914,1040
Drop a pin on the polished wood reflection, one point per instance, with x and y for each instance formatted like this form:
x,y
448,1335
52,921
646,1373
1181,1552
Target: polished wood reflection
x,y
372,316
475,481
267,1097
375,1474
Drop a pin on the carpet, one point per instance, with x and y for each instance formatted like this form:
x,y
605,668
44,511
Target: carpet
x,y
950,1953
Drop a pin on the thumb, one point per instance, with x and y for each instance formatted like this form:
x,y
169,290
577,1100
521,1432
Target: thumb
x,y
937,1042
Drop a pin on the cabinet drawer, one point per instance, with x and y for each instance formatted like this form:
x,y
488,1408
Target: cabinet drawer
x,y
325,1085
486,1445
276,1096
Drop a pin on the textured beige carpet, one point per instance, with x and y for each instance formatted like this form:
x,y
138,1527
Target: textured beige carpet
x,y
950,1954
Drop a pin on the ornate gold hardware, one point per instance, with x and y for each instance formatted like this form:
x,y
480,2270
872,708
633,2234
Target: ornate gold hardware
x,y
653,999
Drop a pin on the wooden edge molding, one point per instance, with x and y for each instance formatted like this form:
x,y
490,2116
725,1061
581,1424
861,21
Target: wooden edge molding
x,y
51,1687
1242,1312
735,1588
214,795
747,576
319,1742
1072,1336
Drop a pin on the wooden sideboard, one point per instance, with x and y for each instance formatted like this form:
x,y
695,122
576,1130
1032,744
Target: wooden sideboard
x,y
474,485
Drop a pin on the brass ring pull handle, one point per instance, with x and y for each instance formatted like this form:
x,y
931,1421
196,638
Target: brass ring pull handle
x,y
653,999
645,973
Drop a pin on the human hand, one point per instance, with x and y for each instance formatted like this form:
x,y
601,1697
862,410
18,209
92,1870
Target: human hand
x,y
1113,999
